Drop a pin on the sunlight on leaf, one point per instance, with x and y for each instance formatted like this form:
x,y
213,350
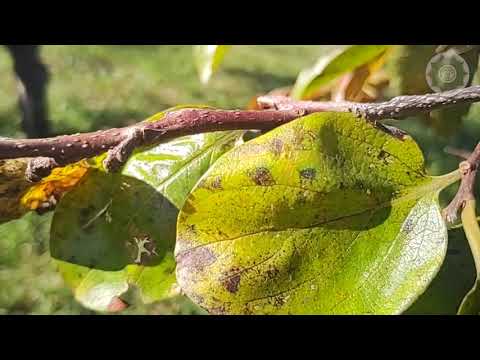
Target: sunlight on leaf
x,y
324,215
207,59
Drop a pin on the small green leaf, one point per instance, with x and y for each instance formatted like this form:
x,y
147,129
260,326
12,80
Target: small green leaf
x,y
324,215
331,66
207,59
117,230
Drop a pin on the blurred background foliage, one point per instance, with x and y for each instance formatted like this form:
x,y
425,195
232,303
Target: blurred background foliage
x,y
97,87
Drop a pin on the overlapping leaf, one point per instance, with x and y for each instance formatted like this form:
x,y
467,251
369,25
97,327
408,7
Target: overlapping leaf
x,y
331,66
207,59
324,215
117,230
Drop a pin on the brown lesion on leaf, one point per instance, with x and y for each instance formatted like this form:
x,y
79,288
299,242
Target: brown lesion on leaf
x,y
271,273
261,176
231,283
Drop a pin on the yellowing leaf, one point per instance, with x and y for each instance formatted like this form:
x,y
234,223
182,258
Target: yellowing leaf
x,y
60,181
324,215
12,187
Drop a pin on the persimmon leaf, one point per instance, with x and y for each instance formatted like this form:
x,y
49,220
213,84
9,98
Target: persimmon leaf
x,y
114,231
324,215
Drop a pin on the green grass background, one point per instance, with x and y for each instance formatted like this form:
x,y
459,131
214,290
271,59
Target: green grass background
x,y
96,87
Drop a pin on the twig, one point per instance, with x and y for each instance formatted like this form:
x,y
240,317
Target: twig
x,y
396,108
120,142
465,192
463,154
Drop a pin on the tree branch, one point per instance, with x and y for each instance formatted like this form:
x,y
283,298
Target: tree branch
x,y
278,110
468,169
396,108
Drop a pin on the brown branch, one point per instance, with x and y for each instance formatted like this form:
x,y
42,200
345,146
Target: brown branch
x,y
120,142
396,108
468,169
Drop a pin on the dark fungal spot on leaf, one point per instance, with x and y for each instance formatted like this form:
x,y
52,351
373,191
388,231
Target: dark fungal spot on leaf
x,y
272,273
262,176
308,173
279,301
231,283
382,155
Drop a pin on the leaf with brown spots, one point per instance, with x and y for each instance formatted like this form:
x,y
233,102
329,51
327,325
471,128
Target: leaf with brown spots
x,y
341,220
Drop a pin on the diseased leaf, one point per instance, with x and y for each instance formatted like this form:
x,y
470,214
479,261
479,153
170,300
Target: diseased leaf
x,y
118,230
324,215
207,59
331,66
12,187
18,196
453,281
54,186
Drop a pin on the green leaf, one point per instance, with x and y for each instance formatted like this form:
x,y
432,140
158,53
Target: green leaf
x,y
331,66
324,215
207,59
117,230
453,281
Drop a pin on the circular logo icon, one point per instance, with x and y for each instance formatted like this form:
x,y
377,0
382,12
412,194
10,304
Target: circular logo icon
x,y
447,71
